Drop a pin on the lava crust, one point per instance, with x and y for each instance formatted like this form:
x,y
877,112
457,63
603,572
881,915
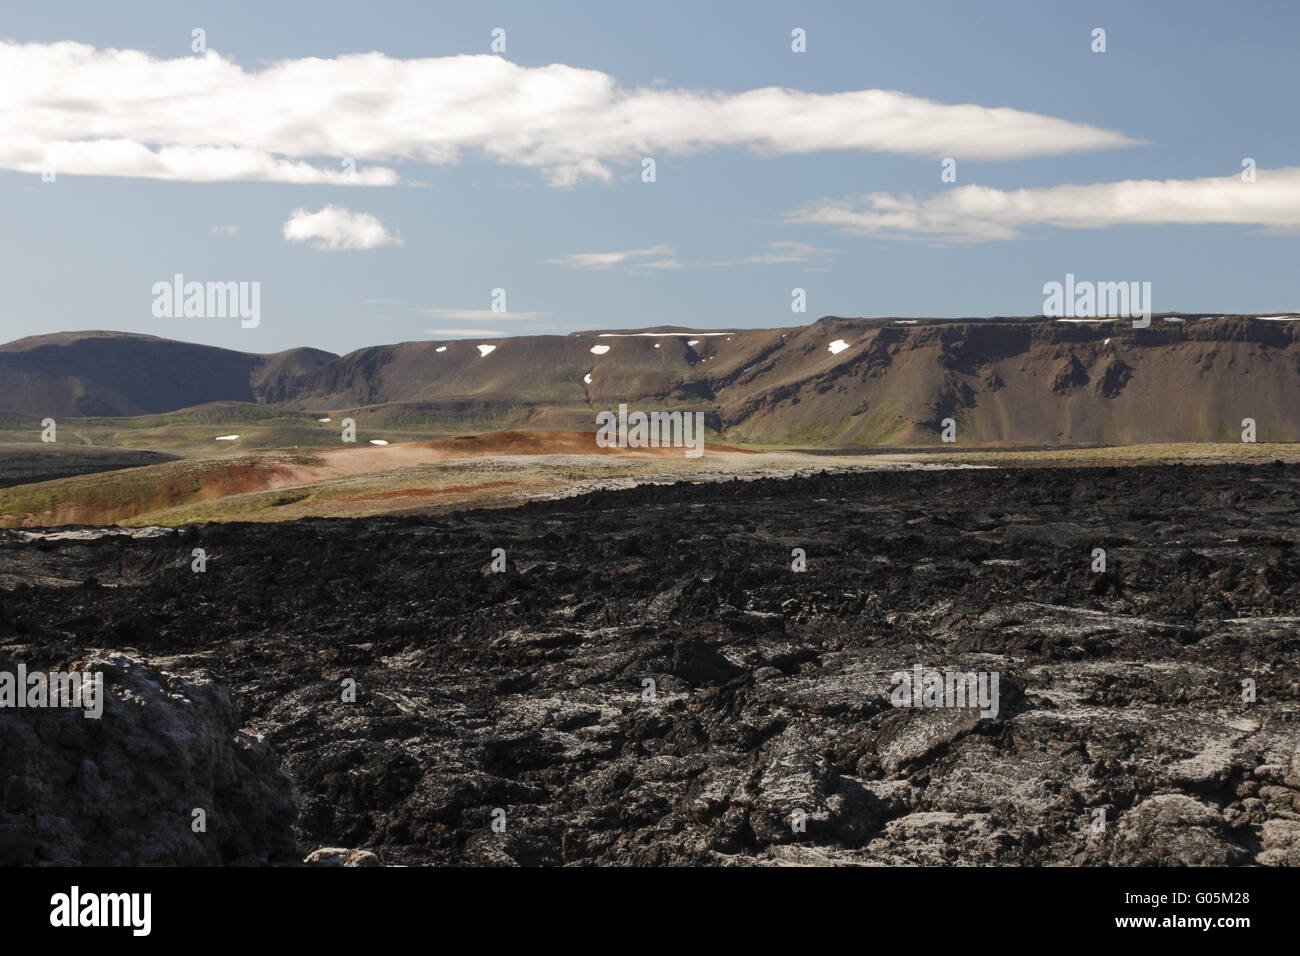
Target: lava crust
x,y
1148,712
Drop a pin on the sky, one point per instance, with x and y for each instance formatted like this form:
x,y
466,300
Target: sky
x,y
380,171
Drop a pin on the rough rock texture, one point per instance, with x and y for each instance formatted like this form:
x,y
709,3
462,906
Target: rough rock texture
x,y
522,698
339,856
121,789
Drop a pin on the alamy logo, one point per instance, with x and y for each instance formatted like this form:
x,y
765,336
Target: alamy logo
x,y
56,689
1091,300
683,430
75,908
922,688
179,299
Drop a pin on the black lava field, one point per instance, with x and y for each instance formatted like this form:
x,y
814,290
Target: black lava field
x,y
649,681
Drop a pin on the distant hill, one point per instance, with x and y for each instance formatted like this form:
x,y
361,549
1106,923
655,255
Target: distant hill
x,y
83,374
834,383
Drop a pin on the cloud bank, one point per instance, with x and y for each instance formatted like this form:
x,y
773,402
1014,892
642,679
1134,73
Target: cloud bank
x,y
981,213
204,118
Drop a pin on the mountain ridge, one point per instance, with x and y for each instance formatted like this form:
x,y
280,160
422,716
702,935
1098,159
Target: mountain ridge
x,y
835,382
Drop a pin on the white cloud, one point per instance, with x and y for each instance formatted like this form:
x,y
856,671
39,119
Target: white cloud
x,y
787,251
981,213
649,258
607,260
205,118
471,333
480,314
334,228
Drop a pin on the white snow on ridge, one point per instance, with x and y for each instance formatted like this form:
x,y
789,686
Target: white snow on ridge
x,y
486,350
836,347
226,437
654,335
905,321
378,441
1279,318
599,349
1100,318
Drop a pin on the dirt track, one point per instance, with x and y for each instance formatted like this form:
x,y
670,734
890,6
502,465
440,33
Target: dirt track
x,y
1121,692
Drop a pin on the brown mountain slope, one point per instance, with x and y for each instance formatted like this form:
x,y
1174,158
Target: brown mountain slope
x,y
115,373
836,382
1012,381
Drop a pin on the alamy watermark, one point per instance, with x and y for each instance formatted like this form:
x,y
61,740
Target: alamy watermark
x,y
931,688
683,430
38,689
130,910
1090,300
179,299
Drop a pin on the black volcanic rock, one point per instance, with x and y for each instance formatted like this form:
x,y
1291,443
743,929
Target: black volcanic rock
x,y
651,683
122,789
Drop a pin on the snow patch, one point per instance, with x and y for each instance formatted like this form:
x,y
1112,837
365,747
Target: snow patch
x,y
599,349
322,419
441,348
226,437
836,347
586,379
378,441
486,350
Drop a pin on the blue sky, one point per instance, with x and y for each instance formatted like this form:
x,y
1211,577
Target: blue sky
x,y
1198,87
